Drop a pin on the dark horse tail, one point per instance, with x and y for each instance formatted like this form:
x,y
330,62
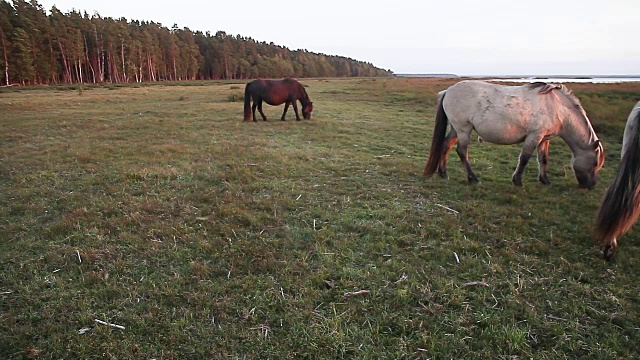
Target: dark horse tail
x,y
621,203
437,142
247,102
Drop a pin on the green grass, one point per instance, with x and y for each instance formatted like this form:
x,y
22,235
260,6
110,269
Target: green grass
x,y
157,208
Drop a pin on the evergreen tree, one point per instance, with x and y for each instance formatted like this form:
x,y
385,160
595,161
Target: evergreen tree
x,y
22,56
75,47
5,46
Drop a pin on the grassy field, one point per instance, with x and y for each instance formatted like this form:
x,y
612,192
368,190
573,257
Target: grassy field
x,y
157,209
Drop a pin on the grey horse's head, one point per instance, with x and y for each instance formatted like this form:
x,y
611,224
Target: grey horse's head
x,y
586,163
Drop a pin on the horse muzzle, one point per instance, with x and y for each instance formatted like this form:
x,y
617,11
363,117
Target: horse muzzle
x,y
587,181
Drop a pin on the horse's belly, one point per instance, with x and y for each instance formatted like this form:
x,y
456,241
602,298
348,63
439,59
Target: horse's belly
x,y
274,101
502,135
505,124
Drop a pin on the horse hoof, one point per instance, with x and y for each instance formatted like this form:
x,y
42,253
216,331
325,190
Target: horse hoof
x,y
473,180
516,181
544,181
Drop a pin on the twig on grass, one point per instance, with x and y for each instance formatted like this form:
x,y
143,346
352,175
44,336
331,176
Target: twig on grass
x,y
475,283
110,324
402,278
448,208
555,318
264,330
356,293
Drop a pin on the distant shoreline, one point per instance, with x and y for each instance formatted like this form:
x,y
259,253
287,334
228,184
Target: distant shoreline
x,y
534,78
522,76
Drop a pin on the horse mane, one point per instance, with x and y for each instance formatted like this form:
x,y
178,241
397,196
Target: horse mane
x,y
305,96
545,88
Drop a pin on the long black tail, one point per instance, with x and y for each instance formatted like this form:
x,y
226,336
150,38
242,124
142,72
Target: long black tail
x,y
621,203
437,142
247,103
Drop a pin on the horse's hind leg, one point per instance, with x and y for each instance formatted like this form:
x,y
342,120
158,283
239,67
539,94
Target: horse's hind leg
x,y
463,153
253,110
529,146
264,117
286,107
449,141
543,159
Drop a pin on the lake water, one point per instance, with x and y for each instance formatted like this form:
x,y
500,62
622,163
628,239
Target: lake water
x,y
593,80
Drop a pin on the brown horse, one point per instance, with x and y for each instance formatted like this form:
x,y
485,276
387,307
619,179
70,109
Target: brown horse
x,y
621,203
276,92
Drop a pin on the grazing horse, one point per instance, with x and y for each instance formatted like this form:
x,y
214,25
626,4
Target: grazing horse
x,y
276,92
531,114
621,203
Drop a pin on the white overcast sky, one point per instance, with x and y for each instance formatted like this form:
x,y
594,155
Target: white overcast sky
x,y
464,37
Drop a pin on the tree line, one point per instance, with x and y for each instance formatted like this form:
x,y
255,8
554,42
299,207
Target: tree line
x,y
74,47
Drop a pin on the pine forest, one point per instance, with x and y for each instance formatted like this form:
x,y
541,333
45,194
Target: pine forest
x,y
50,47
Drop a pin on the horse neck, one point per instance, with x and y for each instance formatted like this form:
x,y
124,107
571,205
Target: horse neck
x,y
576,128
304,97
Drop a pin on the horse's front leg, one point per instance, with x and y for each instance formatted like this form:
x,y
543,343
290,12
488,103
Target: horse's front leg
x,y
286,107
529,146
543,159
295,108
463,153
264,117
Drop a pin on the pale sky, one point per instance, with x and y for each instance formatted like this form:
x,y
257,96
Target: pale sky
x,y
463,37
